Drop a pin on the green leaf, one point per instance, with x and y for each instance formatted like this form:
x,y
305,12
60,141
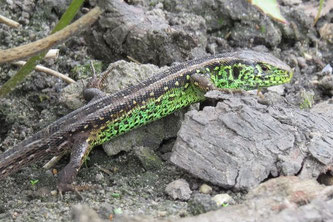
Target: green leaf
x,y
269,7
34,182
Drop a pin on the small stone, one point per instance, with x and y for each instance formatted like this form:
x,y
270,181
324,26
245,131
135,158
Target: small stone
x,y
326,32
201,203
307,56
162,213
99,177
327,70
278,89
204,188
222,199
179,189
301,62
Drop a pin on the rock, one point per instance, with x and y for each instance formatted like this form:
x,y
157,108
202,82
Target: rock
x,y
179,189
323,108
205,189
154,36
148,159
326,32
122,74
201,203
325,84
237,19
99,177
119,75
327,70
150,136
223,199
301,62
240,143
278,89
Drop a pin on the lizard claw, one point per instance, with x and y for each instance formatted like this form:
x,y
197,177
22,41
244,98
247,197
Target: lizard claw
x,y
62,188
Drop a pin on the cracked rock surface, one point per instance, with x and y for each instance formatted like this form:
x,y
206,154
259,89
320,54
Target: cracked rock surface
x,y
239,143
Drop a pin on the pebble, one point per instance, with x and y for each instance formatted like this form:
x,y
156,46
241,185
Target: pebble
x,y
179,189
99,177
327,70
162,213
301,62
326,32
206,189
224,198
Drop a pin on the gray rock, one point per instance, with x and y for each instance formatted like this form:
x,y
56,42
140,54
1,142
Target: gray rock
x,y
179,189
201,203
240,143
324,108
154,36
325,84
122,74
148,159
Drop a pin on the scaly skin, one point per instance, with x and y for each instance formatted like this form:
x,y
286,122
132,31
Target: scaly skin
x,y
108,117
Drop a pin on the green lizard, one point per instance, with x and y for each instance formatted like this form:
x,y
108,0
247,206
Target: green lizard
x,y
113,115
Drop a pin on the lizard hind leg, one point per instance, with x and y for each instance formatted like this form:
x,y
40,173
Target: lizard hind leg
x,y
67,175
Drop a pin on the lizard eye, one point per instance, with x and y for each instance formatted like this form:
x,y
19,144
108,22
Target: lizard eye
x,y
264,68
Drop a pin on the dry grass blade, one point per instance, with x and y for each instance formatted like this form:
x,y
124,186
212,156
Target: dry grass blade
x,y
48,71
9,22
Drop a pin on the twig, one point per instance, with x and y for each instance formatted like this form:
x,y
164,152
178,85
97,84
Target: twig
x,y
9,22
133,60
108,172
33,48
48,71
53,161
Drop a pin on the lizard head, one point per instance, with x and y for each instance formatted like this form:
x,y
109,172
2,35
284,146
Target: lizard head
x,y
249,70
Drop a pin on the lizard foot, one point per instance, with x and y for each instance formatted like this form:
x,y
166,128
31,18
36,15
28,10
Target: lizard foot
x,y
62,188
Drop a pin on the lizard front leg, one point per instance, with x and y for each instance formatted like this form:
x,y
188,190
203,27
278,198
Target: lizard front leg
x,y
203,82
